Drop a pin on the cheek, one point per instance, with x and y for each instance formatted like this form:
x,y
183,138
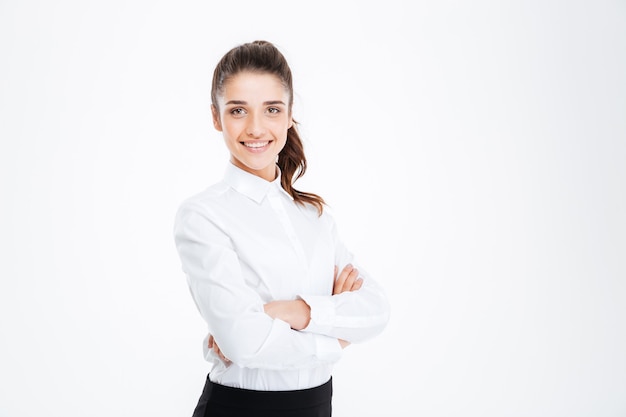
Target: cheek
x,y
281,128
232,129
281,137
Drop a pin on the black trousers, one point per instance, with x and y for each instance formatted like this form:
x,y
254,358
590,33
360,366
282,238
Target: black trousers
x,y
221,401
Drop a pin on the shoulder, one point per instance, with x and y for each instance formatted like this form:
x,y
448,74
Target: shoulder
x,y
327,218
328,213
206,197
203,202
203,215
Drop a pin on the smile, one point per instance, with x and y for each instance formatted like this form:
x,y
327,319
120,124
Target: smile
x,y
256,145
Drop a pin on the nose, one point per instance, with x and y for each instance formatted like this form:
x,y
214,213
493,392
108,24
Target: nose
x,y
255,128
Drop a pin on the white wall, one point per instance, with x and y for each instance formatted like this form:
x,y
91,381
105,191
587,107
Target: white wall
x,y
474,154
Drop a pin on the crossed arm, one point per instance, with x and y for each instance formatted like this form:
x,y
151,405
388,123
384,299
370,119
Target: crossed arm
x,y
297,312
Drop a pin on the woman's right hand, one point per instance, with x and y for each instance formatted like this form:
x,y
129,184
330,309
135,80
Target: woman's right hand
x,y
217,350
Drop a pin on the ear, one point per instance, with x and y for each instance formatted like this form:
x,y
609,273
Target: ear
x,y
217,124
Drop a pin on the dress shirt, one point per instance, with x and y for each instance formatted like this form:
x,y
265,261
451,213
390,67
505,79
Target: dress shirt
x,y
244,242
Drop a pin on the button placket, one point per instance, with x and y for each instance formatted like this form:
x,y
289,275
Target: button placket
x,y
276,202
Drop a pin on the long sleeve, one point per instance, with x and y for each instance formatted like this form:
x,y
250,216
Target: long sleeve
x,y
232,308
355,316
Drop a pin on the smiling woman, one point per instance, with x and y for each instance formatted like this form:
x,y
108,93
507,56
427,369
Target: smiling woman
x,y
281,294
254,127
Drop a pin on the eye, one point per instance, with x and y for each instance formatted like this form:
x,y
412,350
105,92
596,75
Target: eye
x,y
273,110
237,111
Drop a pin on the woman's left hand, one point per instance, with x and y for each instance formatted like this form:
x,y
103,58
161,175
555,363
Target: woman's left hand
x,y
348,280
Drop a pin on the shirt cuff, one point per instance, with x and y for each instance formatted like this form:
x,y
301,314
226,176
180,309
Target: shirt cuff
x,y
322,313
208,354
328,348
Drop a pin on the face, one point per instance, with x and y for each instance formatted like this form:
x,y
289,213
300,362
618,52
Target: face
x,y
253,116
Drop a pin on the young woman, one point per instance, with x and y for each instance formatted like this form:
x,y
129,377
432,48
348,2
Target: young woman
x,y
279,291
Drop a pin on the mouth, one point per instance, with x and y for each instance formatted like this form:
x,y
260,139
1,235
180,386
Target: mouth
x,y
256,145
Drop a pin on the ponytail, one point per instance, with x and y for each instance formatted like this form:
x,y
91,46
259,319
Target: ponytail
x,y
292,164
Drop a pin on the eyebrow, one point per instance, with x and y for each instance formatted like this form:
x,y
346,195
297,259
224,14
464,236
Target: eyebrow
x,y
265,103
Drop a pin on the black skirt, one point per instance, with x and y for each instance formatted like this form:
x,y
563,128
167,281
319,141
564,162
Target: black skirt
x,y
222,401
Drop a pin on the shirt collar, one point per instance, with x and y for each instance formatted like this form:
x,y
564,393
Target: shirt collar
x,y
252,186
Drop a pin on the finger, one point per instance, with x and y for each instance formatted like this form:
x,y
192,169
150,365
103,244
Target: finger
x,y
211,341
352,277
224,358
335,280
218,351
357,284
341,279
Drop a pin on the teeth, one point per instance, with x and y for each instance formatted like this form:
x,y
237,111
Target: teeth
x,y
255,144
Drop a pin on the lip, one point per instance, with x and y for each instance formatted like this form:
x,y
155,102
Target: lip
x,y
256,149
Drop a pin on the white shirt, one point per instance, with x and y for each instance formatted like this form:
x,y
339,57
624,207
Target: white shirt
x,y
244,242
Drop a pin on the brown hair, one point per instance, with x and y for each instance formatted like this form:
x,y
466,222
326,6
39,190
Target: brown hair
x,y
264,57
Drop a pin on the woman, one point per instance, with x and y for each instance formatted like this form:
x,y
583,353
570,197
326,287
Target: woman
x,y
264,263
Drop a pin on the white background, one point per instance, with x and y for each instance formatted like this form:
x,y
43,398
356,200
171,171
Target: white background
x,y
473,152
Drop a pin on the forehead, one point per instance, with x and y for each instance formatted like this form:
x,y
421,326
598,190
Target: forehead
x,y
264,86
